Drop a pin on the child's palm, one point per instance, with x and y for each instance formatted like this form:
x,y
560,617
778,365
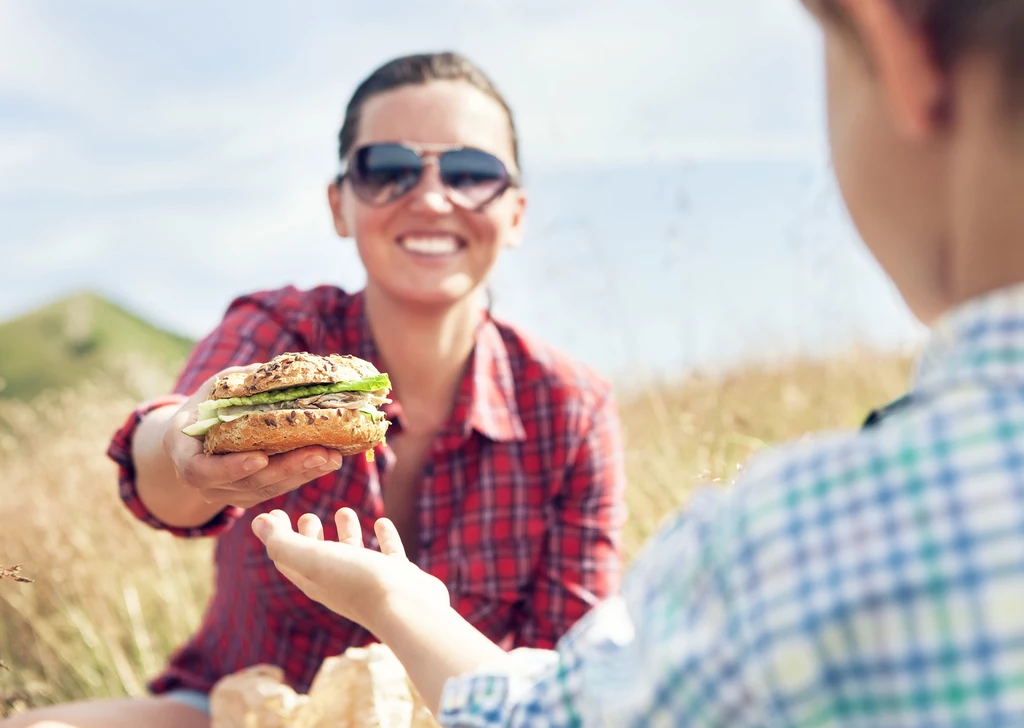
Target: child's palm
x,y
348,579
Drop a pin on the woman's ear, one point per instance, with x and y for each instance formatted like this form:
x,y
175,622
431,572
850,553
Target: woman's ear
x,y
901,56
334,201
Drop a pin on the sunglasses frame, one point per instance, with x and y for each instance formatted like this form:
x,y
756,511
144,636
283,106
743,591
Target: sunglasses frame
x,y
428,154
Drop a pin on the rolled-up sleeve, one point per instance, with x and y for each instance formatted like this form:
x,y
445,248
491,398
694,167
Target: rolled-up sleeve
x,y
120,451
251,331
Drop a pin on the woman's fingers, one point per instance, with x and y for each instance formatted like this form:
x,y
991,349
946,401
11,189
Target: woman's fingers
x,y
349,530
285,473
200,470
388,538
289,470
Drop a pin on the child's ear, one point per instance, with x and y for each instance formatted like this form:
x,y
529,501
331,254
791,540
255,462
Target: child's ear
x,y
515,234
334,201
901,56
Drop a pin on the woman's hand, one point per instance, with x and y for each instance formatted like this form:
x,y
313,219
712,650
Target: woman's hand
x,y
355,582
238,479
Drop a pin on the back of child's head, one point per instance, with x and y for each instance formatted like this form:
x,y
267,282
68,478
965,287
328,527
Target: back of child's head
x,y
958,28
926,126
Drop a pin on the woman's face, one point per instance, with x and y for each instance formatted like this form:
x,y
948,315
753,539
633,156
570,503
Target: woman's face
x,y
420,248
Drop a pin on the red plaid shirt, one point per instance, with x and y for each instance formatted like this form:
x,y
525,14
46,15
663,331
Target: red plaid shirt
x,y
520,510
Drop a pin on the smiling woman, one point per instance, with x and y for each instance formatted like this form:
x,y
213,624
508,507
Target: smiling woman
x,y
502,467
438,245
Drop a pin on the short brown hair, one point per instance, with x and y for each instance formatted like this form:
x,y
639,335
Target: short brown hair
x,y
413,70
959,27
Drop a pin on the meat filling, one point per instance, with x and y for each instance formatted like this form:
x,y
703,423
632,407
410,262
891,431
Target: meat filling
x,y
337,400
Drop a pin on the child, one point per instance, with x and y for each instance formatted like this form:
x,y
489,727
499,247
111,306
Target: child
x,y
873,578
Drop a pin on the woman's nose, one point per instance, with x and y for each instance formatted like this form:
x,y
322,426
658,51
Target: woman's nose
x,y
429,195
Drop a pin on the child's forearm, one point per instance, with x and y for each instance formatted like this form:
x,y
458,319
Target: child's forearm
x,y
434,643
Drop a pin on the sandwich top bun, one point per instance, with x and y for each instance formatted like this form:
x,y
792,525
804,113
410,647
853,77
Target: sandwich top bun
x,y
294,370
294,400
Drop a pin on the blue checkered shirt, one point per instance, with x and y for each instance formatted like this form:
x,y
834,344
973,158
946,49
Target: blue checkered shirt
x,y
872,578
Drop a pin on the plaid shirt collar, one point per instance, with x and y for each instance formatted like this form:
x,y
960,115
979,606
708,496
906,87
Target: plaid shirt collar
x,y
486,401
979,342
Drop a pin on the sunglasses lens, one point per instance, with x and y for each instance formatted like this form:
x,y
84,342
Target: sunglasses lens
x,y
473,177
382,173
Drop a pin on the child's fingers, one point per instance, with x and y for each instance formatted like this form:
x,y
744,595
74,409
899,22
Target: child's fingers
x,y
280,518
349,530
299,558
310,525
270,523
388,538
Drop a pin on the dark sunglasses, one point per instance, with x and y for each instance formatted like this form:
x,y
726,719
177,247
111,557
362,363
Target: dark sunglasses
x,y
382,173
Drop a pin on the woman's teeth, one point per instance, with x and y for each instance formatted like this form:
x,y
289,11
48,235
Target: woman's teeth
x,y
430,246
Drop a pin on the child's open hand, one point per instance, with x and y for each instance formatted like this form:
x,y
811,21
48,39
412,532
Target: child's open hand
x,y
353,581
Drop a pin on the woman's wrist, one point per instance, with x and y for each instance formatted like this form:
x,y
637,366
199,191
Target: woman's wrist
x,y
159,484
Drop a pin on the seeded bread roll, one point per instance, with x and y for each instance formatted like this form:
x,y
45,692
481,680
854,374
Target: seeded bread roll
x,y
293,370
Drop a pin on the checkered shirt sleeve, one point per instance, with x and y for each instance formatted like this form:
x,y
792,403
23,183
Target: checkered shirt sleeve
x,y
248,333
867,579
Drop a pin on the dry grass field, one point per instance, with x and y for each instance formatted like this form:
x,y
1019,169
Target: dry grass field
x,y
110,597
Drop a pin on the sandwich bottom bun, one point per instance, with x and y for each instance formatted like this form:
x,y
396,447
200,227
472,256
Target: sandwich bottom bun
x,y
348,431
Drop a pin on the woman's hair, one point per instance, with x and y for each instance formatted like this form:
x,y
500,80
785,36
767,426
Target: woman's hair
x,y
959,27
419,69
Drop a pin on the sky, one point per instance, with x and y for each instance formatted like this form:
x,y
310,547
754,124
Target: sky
x,y
172,156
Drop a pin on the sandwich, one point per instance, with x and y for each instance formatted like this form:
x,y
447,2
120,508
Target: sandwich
x,y
295,400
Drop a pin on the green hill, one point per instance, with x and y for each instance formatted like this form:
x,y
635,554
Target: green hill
x,y
76,338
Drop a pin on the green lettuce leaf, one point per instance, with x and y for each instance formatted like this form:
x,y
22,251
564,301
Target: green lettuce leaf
x,y
200,428
374,414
